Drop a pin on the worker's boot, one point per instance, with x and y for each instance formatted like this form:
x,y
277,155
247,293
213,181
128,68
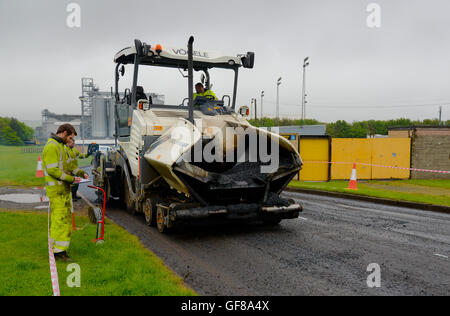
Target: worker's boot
x,y
62,256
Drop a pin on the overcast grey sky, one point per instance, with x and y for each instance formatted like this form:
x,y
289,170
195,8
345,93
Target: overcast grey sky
x,y
355,72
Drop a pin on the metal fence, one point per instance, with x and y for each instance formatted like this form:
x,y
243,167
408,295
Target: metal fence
x,y
32,150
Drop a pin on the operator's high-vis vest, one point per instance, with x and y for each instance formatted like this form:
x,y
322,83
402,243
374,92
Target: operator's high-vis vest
x,y
72,162
57,186
205,94
56,168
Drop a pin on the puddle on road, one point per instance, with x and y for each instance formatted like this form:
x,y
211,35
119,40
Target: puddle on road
x,y
23,198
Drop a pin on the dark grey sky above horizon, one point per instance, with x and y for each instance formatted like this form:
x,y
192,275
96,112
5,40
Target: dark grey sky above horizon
x,y
356,73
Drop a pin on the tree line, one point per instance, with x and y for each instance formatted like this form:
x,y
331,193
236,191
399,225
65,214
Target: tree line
x,y
14,132
343,129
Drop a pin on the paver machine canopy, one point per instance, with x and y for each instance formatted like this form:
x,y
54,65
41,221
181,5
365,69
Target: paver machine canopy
x,y
155,168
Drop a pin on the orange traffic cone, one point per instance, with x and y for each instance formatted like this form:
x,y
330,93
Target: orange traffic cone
x,y
352,185
39,170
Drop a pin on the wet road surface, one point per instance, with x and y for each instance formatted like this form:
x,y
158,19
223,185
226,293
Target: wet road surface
x,y
326,251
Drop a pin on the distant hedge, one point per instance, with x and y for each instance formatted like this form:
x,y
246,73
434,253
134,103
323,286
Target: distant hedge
x,y
343,129
13,132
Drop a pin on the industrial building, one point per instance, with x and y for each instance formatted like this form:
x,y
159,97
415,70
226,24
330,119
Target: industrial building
x,y
430,149
301,130
96,122
415,131
97,108
51,122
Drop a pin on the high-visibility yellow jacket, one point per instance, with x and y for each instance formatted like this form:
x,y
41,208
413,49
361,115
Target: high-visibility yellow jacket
x,y
74,155
56,168
205,94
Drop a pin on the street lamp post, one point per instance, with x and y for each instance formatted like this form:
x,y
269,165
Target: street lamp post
x,y
251,107
278,97
305,64
82,125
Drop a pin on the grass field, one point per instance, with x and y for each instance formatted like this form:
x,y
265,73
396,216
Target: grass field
x,y
423,191
121,266
18,169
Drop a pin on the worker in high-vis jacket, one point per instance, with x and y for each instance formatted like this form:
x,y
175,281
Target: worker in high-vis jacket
x,y
74,155
201,92
58,179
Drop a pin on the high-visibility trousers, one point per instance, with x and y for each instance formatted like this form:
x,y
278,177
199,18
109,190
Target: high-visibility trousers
x,y
60,221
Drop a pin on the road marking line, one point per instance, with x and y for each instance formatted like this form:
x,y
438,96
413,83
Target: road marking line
x,y
442,256
303,218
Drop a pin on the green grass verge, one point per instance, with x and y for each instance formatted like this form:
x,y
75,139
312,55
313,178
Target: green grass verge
x,y
121,266
18,169
390,189
445,184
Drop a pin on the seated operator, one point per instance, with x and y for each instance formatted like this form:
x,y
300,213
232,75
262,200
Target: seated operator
x,y
140,94
201,92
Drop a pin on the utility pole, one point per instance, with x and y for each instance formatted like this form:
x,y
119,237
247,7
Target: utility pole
x,y
256,116
305,64
440,115
278,97
262,96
